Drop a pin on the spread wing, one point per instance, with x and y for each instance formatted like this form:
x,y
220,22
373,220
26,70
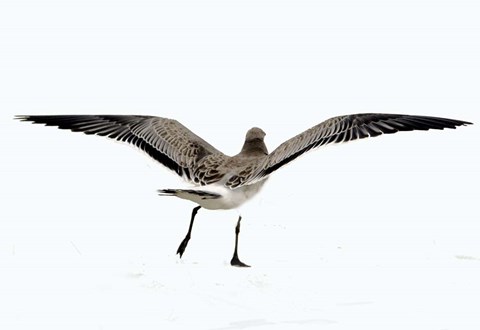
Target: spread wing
x,y
343,129
165,140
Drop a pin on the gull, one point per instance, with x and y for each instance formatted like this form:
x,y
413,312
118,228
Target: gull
x,y
224,182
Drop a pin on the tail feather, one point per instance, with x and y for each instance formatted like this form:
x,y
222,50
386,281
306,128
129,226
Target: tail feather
x,y
202,194
167,192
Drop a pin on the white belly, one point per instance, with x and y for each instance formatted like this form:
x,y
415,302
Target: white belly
x,y
231,198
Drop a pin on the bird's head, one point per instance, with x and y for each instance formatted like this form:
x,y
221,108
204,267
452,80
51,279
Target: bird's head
x,y
255,133
254,145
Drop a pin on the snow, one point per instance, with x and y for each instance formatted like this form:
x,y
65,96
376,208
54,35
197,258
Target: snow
x,y
375,234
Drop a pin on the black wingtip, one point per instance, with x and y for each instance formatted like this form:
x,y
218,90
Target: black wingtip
x,y
22,117
36,119
456,122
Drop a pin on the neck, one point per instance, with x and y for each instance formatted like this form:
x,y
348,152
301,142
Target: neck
x,y
255,147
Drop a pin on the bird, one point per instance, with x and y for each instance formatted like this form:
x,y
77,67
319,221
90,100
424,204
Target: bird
x,y
218,181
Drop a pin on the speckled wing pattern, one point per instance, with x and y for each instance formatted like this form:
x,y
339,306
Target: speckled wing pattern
x,y
341,129
165,140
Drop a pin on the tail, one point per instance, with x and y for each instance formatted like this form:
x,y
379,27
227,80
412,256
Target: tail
x,y
167,192
190,194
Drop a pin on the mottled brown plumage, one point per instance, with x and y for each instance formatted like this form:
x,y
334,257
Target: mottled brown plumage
x,y
224,182
197,161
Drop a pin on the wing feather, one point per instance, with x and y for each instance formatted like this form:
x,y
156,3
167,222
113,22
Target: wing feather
x,y
342,129
165,140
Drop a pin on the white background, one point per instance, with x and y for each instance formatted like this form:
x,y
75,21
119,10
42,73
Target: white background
x,y
376,234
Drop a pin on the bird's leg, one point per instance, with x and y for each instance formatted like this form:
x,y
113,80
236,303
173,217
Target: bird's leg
x,y
235,261
184,243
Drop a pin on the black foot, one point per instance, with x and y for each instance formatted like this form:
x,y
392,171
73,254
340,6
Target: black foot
x,y
184,243
183,246
237,263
